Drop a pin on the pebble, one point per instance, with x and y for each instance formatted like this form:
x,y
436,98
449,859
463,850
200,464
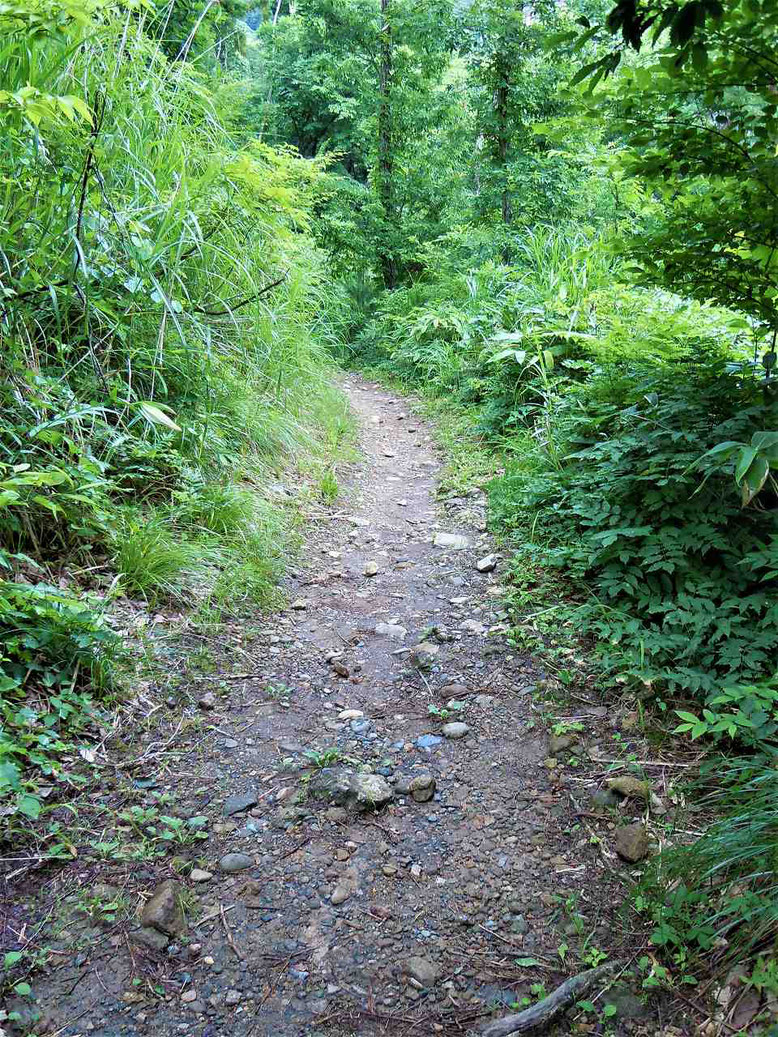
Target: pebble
x,y
422,970
207,701
457,729
232,862
239,802
189,995
163,911
391,630
428,741
487,564
472,626
632,842
422,787
452,540
200,875
370,569
340,894
630,786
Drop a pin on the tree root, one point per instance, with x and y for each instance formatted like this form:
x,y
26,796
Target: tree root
x,y
550,1007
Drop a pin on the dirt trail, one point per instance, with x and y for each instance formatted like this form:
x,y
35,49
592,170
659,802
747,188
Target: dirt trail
x,y
338,917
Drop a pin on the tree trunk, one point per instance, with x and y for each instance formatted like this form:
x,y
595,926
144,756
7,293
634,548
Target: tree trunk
x,y
385,154
501,106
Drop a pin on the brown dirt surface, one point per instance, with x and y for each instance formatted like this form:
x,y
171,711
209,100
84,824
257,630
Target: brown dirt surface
x,y
414,918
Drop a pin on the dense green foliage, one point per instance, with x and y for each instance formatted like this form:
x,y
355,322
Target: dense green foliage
x,y
160,297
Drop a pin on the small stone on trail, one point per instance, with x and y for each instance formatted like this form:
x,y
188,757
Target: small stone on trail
x,y
207,701
428,741
233,997
340,669
423,655
299,605
150,938
487,564
455,730
472,626
422,787
200,875
239,802
232,862
350,714
454,691
189,995
604,798
371,569
484,700
422,970
630,786
391,630
163,911
340,894
453,540
632,842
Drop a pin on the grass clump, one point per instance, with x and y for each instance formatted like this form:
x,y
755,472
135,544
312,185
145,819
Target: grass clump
x,y
719,895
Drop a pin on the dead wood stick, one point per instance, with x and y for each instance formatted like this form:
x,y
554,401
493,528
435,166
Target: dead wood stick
x,y
550,1007
212,915
228,933
226,676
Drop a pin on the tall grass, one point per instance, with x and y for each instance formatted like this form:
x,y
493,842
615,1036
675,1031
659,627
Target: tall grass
x,y
158,299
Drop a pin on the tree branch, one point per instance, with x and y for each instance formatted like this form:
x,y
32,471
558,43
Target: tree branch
x,y
243,302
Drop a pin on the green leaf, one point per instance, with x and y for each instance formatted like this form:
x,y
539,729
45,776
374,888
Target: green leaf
x,y
156,416
747,455
30,806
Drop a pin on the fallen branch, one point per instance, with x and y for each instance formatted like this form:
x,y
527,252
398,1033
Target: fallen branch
x,y
231,308
228,933
550,1007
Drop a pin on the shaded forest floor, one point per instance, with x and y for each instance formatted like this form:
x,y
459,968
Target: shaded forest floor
x,y
285,904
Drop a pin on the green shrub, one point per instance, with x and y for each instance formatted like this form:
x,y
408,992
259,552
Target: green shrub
x,y
57,654
675,594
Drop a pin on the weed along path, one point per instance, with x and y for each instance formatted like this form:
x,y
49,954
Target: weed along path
x,y
390,848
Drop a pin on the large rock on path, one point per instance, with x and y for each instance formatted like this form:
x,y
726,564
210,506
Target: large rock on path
x,y
164,912
632,842
348,788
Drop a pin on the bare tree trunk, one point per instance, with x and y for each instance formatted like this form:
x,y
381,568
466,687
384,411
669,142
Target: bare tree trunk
x,y
501,106
385,153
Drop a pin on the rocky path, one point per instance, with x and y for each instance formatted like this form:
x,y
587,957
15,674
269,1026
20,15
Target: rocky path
x,y
390,848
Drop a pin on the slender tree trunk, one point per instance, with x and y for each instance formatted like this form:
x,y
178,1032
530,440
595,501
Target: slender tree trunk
x,y
385,153
501,106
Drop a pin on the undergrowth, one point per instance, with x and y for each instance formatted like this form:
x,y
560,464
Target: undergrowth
x,y
163,355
